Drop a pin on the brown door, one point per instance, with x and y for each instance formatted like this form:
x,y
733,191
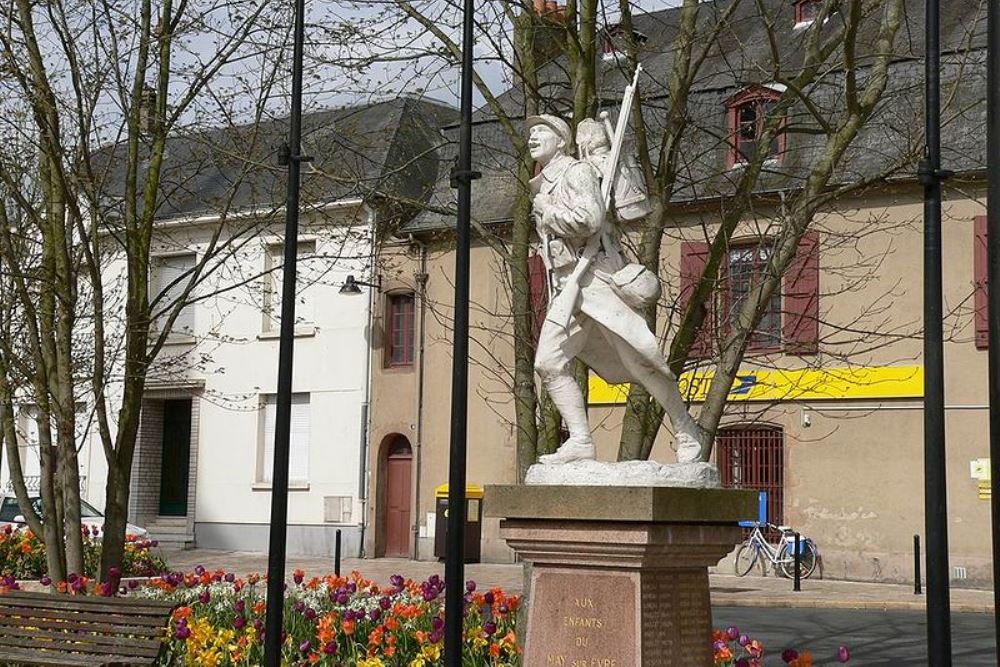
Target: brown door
x,y
397,515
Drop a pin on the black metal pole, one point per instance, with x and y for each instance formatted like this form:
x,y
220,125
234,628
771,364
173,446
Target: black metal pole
x,y
993,278
797,586
462,176
935,460
916,565
291,155
336,555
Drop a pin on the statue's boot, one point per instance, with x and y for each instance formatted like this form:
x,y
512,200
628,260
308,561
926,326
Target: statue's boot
x,y
571,450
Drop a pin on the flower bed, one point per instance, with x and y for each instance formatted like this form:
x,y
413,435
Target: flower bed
x,y
329,621
732,648
22,555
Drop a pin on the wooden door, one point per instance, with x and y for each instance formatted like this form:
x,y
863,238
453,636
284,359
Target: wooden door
x,y
397,514
175,457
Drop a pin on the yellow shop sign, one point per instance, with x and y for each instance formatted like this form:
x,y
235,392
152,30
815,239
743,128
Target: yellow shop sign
x,y
871,382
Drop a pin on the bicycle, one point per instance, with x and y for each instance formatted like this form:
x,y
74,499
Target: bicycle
x,y
781,556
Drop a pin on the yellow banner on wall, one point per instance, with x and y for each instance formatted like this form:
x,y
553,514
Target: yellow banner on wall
x,y
870,382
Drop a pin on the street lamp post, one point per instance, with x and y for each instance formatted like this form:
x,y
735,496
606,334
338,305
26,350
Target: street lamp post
x,y
290,155
935,459
462,177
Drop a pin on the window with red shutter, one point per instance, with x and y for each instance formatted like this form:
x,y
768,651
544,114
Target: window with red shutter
x,y
806,11
980,296
538,283
801,298
747,113
399,319
747,262
694,257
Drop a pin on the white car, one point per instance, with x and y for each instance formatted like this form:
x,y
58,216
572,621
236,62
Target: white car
x,y
10,514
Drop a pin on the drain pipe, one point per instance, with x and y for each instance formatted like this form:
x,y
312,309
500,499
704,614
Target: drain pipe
x,y
365,411
421,280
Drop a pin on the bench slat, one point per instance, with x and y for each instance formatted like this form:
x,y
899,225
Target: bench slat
x,y
53,629
85,603
70,642
98,624
20,656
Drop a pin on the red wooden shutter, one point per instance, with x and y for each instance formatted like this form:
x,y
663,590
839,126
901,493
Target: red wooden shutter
x,y
694,257
801,298
538,281
981,276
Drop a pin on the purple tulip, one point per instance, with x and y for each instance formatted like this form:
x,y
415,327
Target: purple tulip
x,y
199,570
718,645
298,577
154,543
436,636
384,602
330,648
375,614
744,640
789,654
258,625
437,623
182,632
490,628
239,622
299,606
204,596
733,632
240,605
230,577
843,654
343,598
470,586
73,576
45,581
305,646
488,597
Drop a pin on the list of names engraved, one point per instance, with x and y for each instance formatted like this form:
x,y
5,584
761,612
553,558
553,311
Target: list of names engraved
x,y
582,620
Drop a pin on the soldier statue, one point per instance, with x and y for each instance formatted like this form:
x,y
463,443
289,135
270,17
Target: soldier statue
x,y
596,309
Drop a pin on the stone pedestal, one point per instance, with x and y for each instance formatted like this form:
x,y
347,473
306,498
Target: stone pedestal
x,y
619,575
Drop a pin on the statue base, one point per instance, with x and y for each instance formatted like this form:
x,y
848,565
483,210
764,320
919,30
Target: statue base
x,y
625,473
618,576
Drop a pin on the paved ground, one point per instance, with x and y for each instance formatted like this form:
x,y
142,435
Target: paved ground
x,y
727,591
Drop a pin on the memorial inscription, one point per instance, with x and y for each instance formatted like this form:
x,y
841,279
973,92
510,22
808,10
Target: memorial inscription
x,y
582,621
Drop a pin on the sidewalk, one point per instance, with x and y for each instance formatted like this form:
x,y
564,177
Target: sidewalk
x,y
727,590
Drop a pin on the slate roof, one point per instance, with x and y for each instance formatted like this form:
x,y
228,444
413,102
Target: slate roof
x,y
378,152
742,59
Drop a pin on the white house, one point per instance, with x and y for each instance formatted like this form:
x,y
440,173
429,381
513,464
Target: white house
x,y
202,466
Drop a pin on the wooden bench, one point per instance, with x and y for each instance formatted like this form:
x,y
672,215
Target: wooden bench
x,y
50,629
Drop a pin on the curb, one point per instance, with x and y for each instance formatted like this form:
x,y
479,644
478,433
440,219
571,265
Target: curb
x,y
724,600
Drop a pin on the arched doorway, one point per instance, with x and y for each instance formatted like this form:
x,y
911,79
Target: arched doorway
x,y
397,480
753,457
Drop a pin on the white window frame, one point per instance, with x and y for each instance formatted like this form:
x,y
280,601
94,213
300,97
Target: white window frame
x,y
272,285
178,333
299,443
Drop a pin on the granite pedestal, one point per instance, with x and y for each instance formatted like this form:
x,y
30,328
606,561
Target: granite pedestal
x,y
619,575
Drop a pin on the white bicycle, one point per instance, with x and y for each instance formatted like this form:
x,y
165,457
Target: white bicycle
x,y
757,551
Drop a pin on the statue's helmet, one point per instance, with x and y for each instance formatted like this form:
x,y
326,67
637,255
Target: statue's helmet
x,y
556,124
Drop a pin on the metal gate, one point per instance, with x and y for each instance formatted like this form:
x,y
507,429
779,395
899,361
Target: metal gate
x,y
753,457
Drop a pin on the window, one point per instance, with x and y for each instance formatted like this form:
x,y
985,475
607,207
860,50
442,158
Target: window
x,y
274,267
612,38
745,267
170,278
747,117
753,457
298,447
791,318
399,327
806,11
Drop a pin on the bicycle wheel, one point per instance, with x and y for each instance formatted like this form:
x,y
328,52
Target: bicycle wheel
x,y
746,557
807,560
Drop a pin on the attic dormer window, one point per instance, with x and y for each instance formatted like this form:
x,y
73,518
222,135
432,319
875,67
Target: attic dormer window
x,y
806,11
747,114
613,39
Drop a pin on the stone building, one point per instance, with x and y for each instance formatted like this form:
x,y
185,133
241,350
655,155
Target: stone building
x,y
826,414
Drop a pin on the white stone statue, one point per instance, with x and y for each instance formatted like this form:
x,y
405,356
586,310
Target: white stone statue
x,y
595,312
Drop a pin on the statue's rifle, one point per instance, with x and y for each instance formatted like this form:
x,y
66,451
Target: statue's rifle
x,y
561,308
